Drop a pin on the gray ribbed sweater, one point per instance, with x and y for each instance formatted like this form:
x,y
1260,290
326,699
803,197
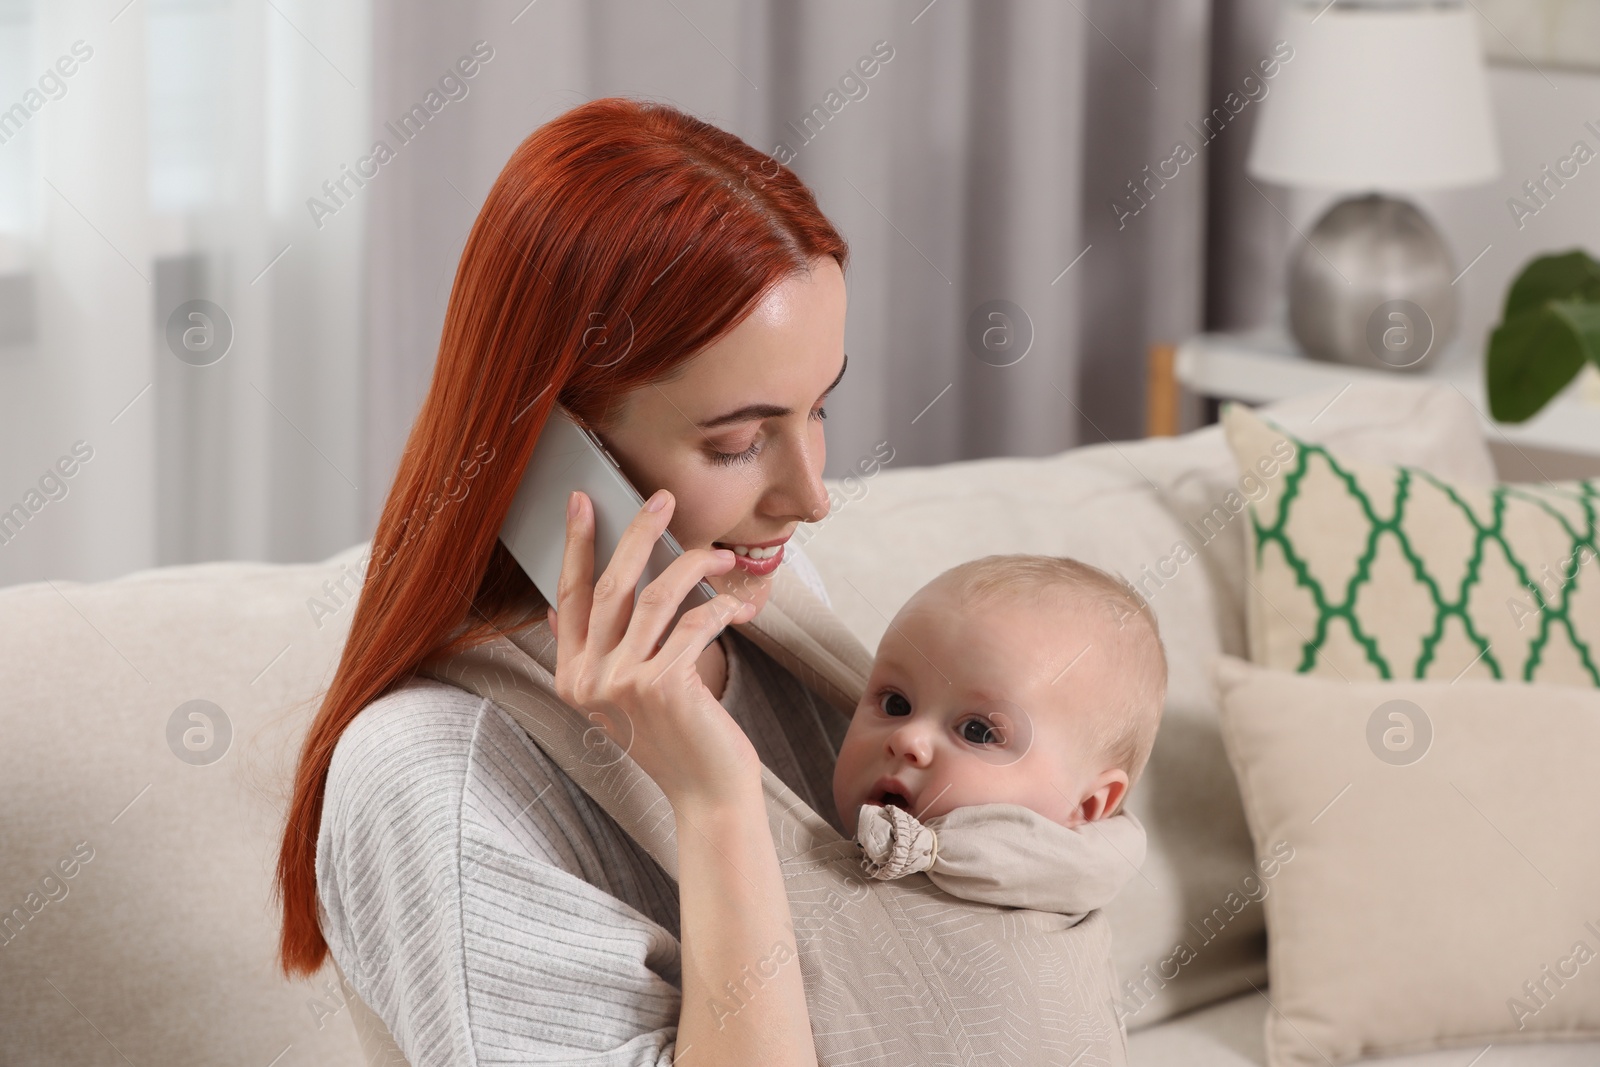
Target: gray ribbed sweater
x,y
486,909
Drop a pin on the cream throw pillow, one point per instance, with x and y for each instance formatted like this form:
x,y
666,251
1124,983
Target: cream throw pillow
x,y
1442,886
1359,570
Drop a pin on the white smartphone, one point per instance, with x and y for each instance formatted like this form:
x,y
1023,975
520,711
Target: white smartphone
x,y
566,457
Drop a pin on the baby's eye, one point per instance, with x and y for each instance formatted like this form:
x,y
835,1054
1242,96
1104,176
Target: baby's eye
x,y
893,703
981,733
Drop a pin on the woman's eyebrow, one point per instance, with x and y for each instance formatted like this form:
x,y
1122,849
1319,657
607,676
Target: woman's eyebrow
x,y
767,411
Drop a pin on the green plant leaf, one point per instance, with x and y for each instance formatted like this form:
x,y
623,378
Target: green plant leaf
x,y
1583,318
1554,277
1532,357
1550,326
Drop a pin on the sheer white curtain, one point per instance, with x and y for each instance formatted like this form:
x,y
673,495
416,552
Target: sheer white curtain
x,y
173,164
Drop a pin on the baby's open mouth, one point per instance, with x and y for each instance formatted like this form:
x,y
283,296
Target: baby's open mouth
x,y
886,794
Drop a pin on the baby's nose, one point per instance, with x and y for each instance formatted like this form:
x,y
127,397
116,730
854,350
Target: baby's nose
x,y
911,742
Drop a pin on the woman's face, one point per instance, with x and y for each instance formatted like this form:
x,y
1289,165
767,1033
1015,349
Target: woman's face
x,y
737,436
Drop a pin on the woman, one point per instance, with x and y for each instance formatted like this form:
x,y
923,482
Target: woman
x,y
681,293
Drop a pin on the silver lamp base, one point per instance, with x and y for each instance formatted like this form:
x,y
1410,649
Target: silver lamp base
x,y
1372,286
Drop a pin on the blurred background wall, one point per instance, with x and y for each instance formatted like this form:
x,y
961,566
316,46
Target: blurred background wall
x,y
205,158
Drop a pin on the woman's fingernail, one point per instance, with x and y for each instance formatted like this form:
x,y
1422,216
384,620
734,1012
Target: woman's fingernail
x,y
657,501
724,553
572,504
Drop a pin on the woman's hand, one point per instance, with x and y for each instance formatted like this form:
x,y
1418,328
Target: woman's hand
x,y
732,903
652,703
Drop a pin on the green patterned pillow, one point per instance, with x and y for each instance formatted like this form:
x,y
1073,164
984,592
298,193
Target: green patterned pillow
x,y
1362,571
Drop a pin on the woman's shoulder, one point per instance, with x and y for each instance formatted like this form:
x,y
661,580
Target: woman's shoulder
x,y
417,710
420,724
416,776
399,767
430,773
427,741
429,763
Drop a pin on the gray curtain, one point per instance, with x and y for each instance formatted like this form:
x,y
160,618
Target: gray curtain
x,y
982,164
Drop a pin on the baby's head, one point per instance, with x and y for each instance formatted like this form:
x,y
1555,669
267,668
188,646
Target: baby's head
x,y
1031,680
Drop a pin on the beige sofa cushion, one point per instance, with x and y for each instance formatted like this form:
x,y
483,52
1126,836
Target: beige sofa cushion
x,y
1230,1034
1125,506
1442,880
158,947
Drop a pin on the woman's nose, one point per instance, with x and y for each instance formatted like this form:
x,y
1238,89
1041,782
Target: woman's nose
x,y
800,482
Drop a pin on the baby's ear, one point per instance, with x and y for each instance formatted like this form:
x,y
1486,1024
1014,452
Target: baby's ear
x,y
1104,796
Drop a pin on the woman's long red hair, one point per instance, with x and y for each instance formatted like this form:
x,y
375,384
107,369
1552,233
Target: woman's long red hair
x,y
621,238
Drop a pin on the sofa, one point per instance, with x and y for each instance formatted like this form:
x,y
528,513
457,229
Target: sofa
x,y
152,722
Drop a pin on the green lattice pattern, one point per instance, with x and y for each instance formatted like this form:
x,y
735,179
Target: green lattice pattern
x,y
1555,614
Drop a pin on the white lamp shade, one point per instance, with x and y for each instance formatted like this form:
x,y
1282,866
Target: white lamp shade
x,y
1379,99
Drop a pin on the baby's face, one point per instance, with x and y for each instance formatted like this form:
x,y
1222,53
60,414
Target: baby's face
x,y
978,706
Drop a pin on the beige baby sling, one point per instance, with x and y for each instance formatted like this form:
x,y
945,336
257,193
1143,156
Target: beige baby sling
x,y
896,972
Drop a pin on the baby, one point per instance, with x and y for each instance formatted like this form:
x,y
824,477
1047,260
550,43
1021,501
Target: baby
x,y
1012,704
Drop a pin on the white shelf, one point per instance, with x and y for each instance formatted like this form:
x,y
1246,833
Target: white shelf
x,y
1264,365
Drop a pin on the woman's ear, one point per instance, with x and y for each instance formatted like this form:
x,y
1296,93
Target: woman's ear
x,y
1104,796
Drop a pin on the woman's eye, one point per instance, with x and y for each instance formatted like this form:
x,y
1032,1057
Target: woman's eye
x,y
820,413
730,458
894,704
984,734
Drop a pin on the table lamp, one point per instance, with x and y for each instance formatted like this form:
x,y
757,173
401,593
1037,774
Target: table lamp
x,y
1376,99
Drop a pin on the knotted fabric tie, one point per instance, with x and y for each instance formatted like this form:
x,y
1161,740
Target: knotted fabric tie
x,y
1005,854
894,843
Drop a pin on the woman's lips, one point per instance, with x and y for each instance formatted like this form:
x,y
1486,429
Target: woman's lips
x,y
759,559
758,567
